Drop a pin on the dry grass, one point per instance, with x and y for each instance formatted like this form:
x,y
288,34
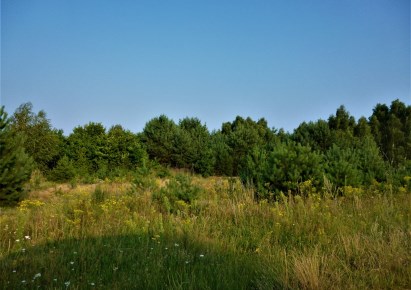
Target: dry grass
x,y
361,241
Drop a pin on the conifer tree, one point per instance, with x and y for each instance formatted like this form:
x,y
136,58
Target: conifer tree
x,y
15,164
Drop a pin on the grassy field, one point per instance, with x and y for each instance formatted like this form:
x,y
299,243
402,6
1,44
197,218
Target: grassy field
x,y
117,235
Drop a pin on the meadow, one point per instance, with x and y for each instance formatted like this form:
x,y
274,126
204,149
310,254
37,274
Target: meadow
x,y
189,232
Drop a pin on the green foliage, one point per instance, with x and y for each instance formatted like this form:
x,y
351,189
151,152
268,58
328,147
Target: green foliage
x,y
242,135
281,169
15,164
391,128
197,154
178,194
342,166
64,170
222,155
342,120
87,146
97,153
187,145
317,135
347,152
158,136
43,143
124,149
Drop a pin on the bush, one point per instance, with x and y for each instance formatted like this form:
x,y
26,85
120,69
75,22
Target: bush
x,y
179,191
281,170
64,170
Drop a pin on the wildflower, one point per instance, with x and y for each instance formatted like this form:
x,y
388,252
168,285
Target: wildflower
x,y
75,253
38,275
176,245
166,248
187,262
23,281
201,256
27,237
17,240
55,280
71,263
23,250
67,283
14,271
115,268
92,284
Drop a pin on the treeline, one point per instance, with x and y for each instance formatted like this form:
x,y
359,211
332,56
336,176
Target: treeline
x,y
341,151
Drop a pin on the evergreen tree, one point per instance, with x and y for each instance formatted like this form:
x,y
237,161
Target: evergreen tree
x,y
243,135
281,169
317,135
198,155
15,164
159,138
391,128
223,157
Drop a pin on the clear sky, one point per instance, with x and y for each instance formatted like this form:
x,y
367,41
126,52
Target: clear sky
x,y
125,62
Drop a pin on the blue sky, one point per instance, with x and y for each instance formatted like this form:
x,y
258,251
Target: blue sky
x,y
125,62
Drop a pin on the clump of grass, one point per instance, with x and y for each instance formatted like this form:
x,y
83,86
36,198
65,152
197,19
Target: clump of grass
x,y
99,195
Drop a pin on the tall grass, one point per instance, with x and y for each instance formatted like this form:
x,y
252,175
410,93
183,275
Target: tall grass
x,y
117,236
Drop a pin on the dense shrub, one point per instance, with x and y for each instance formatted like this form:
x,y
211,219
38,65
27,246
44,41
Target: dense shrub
x,y
282,169
64,171
179,192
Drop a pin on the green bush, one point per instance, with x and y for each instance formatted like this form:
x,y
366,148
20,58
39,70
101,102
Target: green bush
x,y
64,170
281,170
179,192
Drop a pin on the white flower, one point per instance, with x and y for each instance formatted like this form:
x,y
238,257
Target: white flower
x,y
38,275
201,256
176,245
92,284
23,281
72,263
27,237
17,242
67,283
14,271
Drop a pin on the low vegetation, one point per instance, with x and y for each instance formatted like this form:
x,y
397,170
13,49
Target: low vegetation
x,y
211,234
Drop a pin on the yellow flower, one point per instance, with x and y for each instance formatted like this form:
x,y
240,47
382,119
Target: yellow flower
x,y
27,204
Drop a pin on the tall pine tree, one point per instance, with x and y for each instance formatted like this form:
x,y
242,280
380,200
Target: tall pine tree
x,y
15,164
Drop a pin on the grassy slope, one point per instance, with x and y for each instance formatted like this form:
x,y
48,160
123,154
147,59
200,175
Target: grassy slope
x,y
116,237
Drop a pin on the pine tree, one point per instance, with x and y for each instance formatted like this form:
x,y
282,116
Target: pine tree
x,y
15,164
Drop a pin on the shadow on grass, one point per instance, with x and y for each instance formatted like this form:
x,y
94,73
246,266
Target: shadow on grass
x,y
132,262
